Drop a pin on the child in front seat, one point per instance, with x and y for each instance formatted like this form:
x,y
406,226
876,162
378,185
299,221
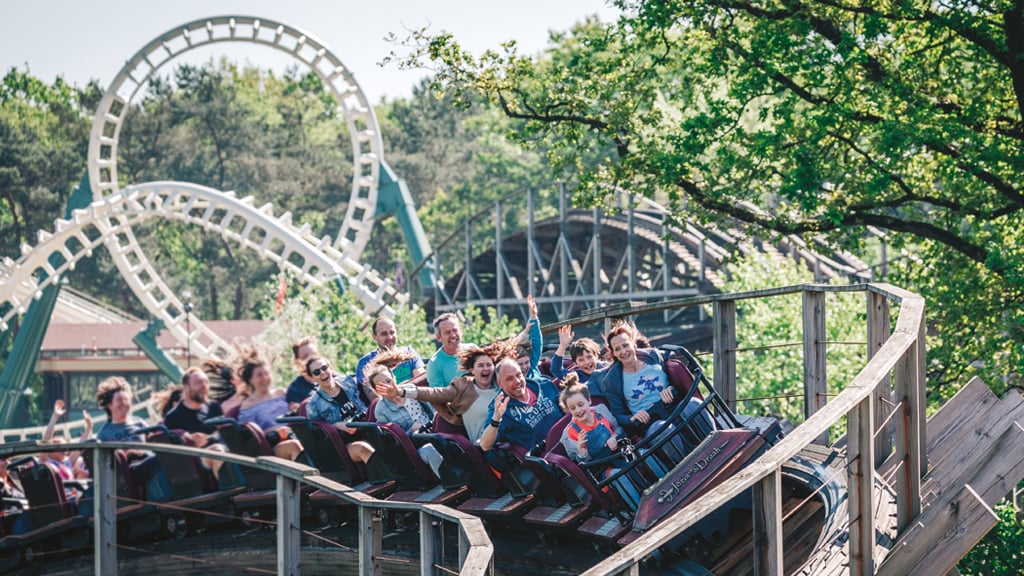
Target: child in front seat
x,y
592,432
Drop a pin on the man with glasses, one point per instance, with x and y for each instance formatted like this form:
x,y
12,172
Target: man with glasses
x,y
385,334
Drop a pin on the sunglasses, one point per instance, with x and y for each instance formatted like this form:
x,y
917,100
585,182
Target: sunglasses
x,y
317,371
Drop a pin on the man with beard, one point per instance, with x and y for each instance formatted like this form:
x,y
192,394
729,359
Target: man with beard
x,y
385,334
190,415
523,412
444,364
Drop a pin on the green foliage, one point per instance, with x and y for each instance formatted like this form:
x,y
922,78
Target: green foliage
x,y
330,316
770,336
43,138
343,335
999,553
822,119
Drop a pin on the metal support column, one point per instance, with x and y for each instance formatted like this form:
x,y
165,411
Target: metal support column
x,y
499,270
598,256
631,250
563,242
531,245
469,261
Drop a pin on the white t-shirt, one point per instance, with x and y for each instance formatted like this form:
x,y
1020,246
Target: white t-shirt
x,y
475,419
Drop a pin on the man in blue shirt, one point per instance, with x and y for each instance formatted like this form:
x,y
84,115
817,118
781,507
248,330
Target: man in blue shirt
x,y
523,412
385,334
444,364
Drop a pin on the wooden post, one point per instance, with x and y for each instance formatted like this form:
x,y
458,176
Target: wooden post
x,y
815,385
463,546
860,483
428,544
104,478
289,529
907,482
879,328
368,540
768,525
725,351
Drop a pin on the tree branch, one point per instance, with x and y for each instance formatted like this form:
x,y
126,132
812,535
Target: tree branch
x,y
850,218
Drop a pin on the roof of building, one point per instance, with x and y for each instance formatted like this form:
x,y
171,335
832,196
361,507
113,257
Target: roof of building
x,y
119,336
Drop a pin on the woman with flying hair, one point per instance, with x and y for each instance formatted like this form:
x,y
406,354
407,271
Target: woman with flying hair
x,y
465,401
264,403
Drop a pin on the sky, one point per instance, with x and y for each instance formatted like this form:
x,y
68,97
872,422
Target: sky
x,y
82,40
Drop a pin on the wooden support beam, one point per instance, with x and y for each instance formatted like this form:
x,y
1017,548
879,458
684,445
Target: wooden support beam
x,y
768,560
815,384
937,540
879,328
861,483
104,477
908,445
725,351
369,540
289,526
429,553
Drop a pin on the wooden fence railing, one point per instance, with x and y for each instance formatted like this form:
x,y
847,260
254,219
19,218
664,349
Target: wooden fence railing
x,y
475,557
896,360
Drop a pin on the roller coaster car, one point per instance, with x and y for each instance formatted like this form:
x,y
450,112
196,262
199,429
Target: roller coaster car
x,y
193,486
398,455
701,444
259,500
50,524
325,446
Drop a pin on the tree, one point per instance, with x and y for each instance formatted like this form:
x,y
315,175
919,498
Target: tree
x,y
819,118
325,313
769,366
43,140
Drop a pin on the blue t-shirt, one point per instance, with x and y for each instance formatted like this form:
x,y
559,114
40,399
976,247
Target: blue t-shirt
x,y
443,367
525,424
123,432
402,372
643,389
299,390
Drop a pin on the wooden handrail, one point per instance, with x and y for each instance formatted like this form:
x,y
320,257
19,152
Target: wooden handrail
x,y
899,351
477,561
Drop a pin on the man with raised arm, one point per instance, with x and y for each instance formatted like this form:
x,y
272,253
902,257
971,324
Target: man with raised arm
x,y
385,334
444,364
523,411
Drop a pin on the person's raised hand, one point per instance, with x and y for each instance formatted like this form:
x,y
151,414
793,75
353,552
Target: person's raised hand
x,y
565,336
531,305
388,390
